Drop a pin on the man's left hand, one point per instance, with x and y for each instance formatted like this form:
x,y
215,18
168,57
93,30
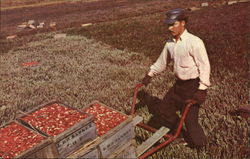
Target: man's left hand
x,y
200,96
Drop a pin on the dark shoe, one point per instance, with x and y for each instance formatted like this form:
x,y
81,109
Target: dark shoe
x,y
192,145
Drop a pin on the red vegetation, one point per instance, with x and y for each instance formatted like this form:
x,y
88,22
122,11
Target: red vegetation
x,y
105,118
15,139
54,119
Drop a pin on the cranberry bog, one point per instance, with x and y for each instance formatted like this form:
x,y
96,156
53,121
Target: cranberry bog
x,y
77,12
5,4
105,61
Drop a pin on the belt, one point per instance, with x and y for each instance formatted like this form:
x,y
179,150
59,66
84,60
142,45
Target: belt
x,y
185,81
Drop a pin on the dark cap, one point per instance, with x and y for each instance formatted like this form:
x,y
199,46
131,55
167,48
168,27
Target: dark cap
x,y
175,15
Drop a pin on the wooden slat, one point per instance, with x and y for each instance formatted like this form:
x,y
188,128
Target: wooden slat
x,y
128,150
87,149
152,140
137,120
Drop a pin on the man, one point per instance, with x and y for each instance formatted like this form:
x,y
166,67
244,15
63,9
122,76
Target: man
x,y
192,72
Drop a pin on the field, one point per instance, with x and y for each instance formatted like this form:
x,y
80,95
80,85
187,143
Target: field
x,y
14,4
104,61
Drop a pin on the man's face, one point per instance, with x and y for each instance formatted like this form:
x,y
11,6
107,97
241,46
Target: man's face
x,y
176,29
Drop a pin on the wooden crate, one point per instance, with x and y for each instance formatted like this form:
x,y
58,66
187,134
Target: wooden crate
x,y
44,149
71,139
104,146
92,150
89,150
127,151
114,139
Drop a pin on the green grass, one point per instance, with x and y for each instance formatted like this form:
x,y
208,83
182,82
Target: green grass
x,y
73,69
77,70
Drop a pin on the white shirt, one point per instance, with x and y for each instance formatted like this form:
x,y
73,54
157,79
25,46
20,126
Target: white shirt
x,y
190,59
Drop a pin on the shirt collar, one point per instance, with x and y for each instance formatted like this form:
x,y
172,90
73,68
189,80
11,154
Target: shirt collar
x,y
183,35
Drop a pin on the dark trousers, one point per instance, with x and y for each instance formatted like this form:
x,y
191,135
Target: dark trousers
x,y
174,100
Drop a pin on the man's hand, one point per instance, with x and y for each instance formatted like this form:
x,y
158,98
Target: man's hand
x,y
200,96
146,80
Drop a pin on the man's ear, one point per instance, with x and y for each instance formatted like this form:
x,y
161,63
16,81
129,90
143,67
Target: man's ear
x,y
183,23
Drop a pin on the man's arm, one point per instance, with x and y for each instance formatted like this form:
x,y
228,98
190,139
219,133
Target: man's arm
x,y
160,64
202,62
157,67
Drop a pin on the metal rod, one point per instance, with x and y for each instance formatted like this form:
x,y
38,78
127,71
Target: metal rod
x,y
134,98
151,129
183,118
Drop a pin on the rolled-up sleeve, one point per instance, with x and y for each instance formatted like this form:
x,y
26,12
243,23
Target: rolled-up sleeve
x,y
160,64
202,62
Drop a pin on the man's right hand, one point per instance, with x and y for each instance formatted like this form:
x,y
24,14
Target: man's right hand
x,y
146,80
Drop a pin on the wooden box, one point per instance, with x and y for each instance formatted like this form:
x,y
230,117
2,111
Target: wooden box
x,y
89,150
113,140
116,138
69,140
128,150
44,148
